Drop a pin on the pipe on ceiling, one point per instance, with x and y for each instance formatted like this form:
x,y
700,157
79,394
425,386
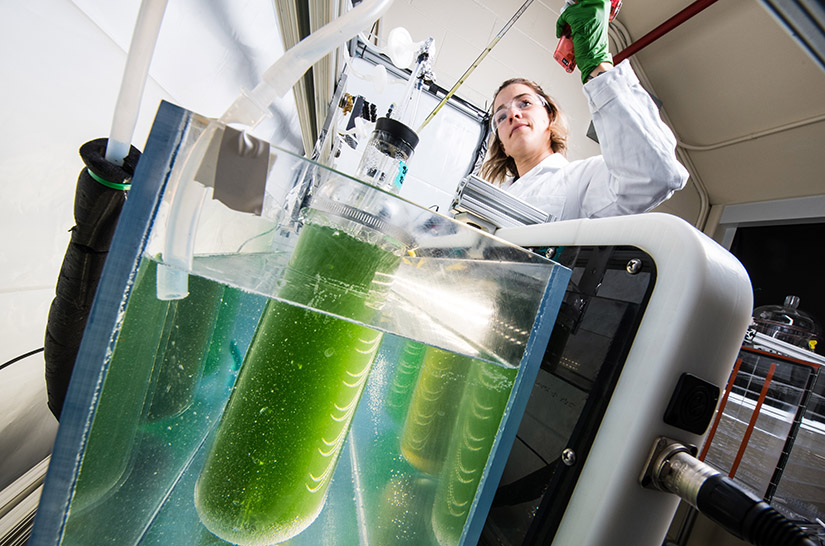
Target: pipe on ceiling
x,y
663,29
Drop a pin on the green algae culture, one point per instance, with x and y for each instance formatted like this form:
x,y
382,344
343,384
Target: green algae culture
x,y
480,411
275,450
404,379
433,408
153,373
190,323
112,436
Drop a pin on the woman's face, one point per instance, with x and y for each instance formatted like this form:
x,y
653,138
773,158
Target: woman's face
x,y
523,128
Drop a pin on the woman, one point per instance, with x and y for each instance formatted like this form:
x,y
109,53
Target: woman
x,y
638,169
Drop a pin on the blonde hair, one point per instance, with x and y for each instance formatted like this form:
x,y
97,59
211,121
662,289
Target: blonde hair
x,y
498,165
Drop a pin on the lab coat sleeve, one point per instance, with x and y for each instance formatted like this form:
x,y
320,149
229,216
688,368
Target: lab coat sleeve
x,y
638,168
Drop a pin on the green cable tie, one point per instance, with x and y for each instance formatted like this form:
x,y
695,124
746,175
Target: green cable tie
x,y
113,185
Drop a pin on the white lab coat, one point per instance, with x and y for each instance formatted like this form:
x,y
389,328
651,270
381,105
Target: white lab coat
x,y
636,171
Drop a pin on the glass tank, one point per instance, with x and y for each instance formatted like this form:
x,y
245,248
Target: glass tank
x,y
766,430
330,364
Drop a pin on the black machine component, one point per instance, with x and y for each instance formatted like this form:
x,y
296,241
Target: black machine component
x,y
600,314
692,405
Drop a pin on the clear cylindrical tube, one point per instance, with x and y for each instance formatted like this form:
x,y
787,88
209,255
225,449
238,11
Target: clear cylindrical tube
x,y
277,446
141,50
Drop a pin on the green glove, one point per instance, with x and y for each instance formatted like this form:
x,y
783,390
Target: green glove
x,y
587,20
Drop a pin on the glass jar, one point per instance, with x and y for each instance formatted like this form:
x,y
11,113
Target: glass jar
x,y
384,163
787,323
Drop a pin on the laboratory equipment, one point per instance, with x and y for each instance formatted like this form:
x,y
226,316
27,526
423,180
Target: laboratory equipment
x,y
488,207
765,432
406,109
391,145
788,323
673,468
275,450
449,145
643,331
479,302
299,319
388,151
475,64
649,328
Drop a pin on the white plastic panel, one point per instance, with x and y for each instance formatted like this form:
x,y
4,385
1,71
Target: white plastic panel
x,y
695,322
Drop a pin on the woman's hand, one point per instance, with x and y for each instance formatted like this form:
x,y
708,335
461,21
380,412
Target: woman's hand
x,y
586,22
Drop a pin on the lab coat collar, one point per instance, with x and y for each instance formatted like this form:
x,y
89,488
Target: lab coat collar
x,y
552,162
549,164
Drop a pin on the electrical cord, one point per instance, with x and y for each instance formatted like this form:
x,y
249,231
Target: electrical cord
x,y
673,468
747,516
21,357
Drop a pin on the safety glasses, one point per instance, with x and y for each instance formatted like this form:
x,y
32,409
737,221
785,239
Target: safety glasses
x,y
520,103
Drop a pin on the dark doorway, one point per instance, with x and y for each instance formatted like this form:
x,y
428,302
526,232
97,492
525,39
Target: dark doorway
x,y
785,260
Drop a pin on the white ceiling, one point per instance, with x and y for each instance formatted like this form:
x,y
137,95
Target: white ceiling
x,y
729,72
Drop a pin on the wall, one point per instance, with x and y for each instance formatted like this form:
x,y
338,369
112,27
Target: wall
x,y
62,66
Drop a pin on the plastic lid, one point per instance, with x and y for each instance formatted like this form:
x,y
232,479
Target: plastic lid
x,y
397,130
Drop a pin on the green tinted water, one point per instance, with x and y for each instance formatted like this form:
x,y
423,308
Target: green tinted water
x,y
266,477
190,324
110,445
424,484
154,373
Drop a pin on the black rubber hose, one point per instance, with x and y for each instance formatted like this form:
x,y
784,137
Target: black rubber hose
x,y
99,196
747,516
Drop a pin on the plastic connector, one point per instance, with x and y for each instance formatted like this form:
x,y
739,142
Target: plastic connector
x,y
245,110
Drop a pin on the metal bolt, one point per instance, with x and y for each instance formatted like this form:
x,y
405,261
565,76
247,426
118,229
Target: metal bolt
x,y
634,266
568,457
550,253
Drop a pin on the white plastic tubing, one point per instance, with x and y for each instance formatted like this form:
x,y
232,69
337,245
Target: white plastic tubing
x,y
252,107
142,47
249,109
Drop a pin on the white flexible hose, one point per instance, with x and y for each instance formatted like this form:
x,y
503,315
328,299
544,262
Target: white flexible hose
x,y
142,47
252,107
248,109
